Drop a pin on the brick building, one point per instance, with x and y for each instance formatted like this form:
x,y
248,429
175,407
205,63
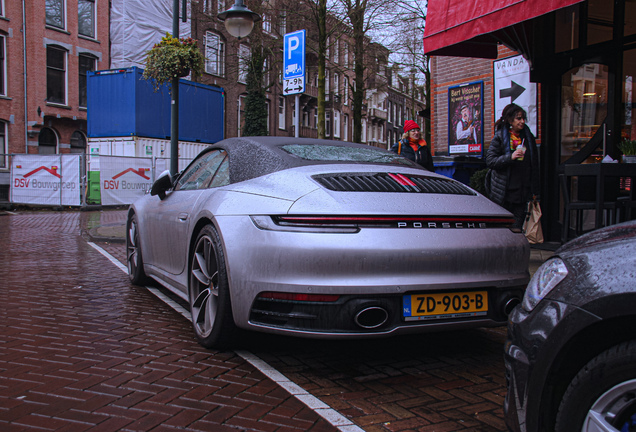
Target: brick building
x,y
45,53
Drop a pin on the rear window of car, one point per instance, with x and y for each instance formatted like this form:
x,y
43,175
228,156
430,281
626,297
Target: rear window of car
x,y
325,153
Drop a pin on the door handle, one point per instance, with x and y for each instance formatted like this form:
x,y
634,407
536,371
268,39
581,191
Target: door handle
x,y
183,217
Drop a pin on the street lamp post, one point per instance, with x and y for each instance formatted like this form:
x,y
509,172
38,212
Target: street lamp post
x,y
174,95
239,20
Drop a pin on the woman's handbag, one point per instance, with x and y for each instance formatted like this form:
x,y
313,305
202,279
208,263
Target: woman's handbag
x,y
532,224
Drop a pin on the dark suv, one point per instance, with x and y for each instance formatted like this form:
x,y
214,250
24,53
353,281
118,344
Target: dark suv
x,y
571,349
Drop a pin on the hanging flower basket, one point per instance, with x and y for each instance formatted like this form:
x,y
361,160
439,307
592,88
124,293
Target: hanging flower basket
x,y
172,58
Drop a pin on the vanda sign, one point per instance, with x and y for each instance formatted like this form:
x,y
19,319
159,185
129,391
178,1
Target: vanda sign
x,y
45,179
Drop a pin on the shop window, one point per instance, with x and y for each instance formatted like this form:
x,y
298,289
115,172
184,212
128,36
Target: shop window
x,y
55,13
86,64
630,18
214,54
78,142
55,75
600,21
584,95
86,18
47,141
628,117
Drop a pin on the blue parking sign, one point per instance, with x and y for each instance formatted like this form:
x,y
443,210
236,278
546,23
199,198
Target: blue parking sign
x,y
294,55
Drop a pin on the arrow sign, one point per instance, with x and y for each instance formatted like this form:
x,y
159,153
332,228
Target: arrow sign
x,y
513,92
294,85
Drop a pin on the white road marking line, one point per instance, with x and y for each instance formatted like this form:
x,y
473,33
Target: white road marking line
x,y
110,257
342,423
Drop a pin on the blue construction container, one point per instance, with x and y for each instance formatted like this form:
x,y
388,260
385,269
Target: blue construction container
x,y
122,103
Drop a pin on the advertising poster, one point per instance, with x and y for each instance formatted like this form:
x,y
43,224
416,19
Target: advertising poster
x,y
124,179
466,122
46,179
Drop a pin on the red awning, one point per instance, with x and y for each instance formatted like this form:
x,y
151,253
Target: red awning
x,y
461,27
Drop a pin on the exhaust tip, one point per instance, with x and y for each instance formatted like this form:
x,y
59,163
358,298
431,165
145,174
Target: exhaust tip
x,y
371,317
510,305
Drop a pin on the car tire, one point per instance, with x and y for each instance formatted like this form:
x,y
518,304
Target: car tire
x,y
209,292
134,257
602,396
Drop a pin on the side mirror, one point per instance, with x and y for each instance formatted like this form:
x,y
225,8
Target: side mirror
x,y
161,185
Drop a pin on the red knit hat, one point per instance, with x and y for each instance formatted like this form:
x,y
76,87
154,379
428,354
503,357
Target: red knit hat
x,y
410,124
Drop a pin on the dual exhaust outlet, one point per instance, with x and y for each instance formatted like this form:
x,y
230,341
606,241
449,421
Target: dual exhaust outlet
x,y
372,317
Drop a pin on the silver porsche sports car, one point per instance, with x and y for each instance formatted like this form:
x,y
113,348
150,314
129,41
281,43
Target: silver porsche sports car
x,y
327,239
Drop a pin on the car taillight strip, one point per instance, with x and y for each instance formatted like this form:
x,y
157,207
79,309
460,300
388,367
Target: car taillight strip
x,y
410,221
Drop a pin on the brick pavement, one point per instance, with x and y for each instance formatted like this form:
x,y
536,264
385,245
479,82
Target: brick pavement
x,y
433,382
83,350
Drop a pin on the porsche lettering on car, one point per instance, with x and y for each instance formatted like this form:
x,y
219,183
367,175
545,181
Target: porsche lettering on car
x,y
325,239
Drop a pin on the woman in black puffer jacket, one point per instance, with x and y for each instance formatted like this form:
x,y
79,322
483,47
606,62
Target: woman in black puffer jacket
x,y
513,159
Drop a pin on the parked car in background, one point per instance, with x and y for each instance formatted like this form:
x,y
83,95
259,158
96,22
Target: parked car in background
x,y
326,239
571,349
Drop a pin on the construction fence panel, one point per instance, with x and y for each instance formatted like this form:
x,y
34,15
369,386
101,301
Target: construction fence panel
x,y
79,179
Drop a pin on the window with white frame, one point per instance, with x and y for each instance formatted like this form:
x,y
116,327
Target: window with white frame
x,y
364,131
281,112
220,6
267,23
3,144
241,115
345,54
266,74
56,60
336,52
87,63
326,85
336,83
282,23
55,13
328,123
328,50
268,112
345,91
206,6
214,54
315,125
244,59
2,8
345,127
3,66
86,18
336,124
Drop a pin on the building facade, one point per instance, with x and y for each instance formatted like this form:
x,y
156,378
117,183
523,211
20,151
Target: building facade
x,y
45,53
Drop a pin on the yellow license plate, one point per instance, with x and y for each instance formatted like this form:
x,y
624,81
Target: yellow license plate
x,y
445,305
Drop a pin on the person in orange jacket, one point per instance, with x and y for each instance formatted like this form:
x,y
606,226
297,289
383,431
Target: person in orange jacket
x,y
414,147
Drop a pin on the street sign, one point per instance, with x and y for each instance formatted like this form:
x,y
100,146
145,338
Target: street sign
x,y
293,85
294,62
512,85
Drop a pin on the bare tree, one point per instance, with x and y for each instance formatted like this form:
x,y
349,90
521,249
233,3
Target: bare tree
x,y
405,39
364,17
